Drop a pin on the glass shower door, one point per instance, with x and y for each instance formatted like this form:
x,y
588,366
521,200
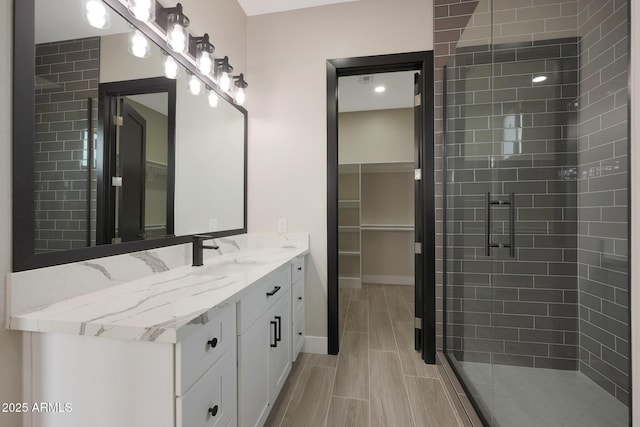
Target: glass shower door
x,y
536,151
471,259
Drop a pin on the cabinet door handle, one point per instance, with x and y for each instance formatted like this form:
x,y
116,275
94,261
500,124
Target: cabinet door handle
x,y
213,411
275,334
213,342
273,292
299,333
299,268
299,298
279,330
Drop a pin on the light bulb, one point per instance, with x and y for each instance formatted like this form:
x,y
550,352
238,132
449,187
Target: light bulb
x,y
204,62
240,96
212,98
142,10
177,38
171,67
225,82
194,85
96,14
139,45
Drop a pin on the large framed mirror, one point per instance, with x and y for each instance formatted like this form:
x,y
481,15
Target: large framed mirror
x,y
109,155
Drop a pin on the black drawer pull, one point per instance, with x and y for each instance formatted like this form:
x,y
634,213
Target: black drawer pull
x,y
275,333
300,333
213,411
299,298
213,342
273,292
279,331
299,268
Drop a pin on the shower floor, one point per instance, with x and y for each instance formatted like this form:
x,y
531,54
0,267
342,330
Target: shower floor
x,y
537,397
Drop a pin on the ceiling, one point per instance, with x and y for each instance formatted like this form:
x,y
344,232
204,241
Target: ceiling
x,y
356,93
261,7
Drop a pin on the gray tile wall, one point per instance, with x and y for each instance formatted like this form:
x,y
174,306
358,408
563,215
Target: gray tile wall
x,y
508,134
451,17
602,195
66,75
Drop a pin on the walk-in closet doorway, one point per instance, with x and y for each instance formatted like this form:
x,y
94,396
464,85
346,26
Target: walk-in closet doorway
x,y
381,234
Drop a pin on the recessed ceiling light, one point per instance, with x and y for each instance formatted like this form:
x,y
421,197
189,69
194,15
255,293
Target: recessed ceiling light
x,y
379,89
539,79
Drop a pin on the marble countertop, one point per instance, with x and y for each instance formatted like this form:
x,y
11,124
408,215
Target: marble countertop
x,y
162,307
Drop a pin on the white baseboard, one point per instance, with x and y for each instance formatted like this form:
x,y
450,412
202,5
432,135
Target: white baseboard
x,y
318,345
388,280
350,283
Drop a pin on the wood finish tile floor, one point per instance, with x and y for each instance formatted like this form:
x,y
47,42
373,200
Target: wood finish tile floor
x,y
377,380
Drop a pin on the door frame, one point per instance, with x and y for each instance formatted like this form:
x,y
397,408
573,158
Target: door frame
x,y
108,94
412,61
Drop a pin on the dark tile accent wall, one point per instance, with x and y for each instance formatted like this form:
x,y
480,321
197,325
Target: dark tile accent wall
x,y
450,19
509,134
602,195
67,75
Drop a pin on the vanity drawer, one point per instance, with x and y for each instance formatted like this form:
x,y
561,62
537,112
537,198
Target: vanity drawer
x,y
297,269
212,401
201,349
265,293
298,298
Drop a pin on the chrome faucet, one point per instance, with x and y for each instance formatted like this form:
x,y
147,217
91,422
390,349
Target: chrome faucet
x,y
198,248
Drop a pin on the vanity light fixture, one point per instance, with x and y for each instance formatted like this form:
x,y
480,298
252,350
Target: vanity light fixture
x,y
203,51
224,71
170,66
139,46
212,97
177,34
241,84
539,79
142,10
96,14
194,84
379,89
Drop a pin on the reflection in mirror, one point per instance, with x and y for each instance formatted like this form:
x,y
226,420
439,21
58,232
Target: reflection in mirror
x,y
93,185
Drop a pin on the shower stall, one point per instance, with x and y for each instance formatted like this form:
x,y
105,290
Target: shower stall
x,y
537,320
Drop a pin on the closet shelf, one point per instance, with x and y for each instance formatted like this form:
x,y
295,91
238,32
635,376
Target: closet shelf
x,y
349,203
349,228
387,227
349,253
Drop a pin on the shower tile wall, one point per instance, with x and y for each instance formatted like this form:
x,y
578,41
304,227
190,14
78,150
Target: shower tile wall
x,y
528,317
451,17
66,75
602,199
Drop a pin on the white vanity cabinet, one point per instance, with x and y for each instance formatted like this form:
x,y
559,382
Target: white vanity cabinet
x,y
264,346
116,382
297,306
206,380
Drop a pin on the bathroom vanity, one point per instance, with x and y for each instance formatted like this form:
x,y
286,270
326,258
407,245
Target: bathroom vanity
x,y
184,347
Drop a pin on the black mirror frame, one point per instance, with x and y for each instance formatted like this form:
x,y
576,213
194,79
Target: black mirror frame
x,y
24,256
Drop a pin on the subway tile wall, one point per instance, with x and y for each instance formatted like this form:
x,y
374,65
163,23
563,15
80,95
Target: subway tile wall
x,y
585,169
603,281
66,76
508,134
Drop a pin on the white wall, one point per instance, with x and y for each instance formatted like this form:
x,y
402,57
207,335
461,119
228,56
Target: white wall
x,y
287,55
10,342
377,136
